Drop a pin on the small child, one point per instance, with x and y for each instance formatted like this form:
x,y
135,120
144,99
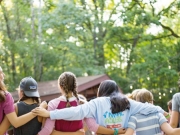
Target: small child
x,y
152,124
68,84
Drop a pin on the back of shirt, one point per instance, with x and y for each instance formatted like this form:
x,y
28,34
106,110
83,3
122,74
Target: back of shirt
x,y
33,126
63,125
147,124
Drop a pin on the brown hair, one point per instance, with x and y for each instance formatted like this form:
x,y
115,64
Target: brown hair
x,y
169,104
144,96
68,82
2,89
133,94
24,97
82,99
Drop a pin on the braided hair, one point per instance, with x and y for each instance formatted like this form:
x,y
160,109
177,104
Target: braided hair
x,y
68,82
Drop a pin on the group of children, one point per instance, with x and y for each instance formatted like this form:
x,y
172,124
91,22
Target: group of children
x,y
110,113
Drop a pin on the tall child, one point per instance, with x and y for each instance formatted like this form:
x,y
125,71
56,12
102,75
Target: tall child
x,y
7,109
68,87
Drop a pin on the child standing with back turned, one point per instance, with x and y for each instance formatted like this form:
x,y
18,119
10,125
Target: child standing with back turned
x,y
28,99
67,84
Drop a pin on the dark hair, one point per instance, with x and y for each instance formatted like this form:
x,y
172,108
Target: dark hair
x,y
37,99
110,89
68,82
169,103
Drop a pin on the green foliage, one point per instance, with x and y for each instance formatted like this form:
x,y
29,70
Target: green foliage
x,y
118,38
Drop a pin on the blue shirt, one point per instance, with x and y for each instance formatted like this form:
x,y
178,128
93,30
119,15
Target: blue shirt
x,y
147,125
100,110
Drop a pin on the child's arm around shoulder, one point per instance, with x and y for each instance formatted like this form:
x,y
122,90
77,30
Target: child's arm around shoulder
x,y
129,131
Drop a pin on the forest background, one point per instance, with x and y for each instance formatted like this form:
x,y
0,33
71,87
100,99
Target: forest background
x,y
135,42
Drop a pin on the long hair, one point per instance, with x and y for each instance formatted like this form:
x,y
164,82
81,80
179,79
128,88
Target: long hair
x,y
2,89
110,89
68,82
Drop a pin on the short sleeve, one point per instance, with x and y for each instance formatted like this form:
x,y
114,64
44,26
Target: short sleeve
x,y
132,122
176,102
8,105
162,119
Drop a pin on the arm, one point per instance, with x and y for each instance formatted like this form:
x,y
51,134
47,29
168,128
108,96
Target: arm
x,y
175,111
169,130
129,131
4,126
174,119
49,124
72,113
11,114
79,132
19,121
143,108
93,126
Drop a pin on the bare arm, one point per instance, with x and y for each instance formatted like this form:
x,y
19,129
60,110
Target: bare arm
x,y
129,131
108,131
174,119
4,125
167,115
21,120
93,126
169,130
79,132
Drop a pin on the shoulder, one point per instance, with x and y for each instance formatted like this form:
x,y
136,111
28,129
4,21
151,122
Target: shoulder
x,y
177,95
9,97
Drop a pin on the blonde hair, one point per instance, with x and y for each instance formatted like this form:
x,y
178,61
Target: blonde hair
x,y
67,81
133,94
2,89
144,96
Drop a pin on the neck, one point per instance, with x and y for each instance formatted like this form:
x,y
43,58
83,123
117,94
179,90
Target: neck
x,y
29,101
70,94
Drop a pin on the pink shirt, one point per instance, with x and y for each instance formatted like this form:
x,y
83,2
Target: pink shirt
x,y
91,124
50,124
7,106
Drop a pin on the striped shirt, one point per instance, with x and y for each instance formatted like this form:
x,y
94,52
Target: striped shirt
x,y
147,124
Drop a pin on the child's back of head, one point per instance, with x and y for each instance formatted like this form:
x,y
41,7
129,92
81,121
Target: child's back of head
x,y
144,96
68,83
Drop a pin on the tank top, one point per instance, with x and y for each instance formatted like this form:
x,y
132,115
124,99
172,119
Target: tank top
x,y
33,126
68,126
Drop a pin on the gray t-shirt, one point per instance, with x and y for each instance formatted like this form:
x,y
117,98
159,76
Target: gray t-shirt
x,y
176,103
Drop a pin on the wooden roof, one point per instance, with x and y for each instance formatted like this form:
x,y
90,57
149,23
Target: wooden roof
x,y
49,89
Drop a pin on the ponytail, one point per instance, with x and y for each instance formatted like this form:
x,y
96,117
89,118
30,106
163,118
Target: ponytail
x,y
119,103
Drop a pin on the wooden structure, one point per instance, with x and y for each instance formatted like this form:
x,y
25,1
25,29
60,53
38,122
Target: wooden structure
x,y
87,86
